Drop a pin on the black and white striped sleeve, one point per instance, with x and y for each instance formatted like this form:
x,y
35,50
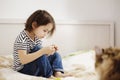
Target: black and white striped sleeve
x,y
20,43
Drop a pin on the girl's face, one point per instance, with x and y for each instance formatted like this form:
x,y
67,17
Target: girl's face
x,y
43,31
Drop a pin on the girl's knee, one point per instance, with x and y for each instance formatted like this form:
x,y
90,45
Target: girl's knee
x,y
57,55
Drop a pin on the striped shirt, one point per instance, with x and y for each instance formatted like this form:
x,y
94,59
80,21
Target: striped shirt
x,y
23,42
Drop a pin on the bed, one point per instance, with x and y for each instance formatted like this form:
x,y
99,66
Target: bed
x,y
80,70
76,40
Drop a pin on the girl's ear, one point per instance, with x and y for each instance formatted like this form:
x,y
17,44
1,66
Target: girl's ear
x,y
98,50
34,25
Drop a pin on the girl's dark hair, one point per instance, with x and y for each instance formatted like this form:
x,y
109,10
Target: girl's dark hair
x,y
41,17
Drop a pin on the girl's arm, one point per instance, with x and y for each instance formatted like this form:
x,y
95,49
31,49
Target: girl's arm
x,y
26,58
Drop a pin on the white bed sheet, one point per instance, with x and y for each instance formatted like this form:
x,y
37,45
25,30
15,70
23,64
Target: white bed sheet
x,y
81,66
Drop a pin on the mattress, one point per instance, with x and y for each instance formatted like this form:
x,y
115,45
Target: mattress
x,y
79,64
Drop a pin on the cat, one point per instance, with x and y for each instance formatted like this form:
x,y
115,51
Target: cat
x,y
107,63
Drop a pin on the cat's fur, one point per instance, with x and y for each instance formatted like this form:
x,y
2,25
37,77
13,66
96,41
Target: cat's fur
x,y
107,63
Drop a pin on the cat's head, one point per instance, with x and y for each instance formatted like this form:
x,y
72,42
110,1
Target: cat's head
x,y
103,54
107,63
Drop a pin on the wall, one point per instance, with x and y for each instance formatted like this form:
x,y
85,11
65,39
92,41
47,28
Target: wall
x,y
69,36
66,10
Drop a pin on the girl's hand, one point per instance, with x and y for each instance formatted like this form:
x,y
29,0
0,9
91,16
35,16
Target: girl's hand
x,y
49,50
56,47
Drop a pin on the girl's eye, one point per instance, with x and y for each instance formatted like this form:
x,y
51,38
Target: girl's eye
x,y
45,30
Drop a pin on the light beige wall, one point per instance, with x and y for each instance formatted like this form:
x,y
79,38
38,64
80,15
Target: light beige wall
x,y
66,10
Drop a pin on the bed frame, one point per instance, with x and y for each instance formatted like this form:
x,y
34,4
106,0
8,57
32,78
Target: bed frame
x,y
70,36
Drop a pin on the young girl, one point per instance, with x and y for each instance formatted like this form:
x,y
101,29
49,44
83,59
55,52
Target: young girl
x,y
29,55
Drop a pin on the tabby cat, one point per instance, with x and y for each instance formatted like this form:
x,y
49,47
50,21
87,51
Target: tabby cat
x,y
107,63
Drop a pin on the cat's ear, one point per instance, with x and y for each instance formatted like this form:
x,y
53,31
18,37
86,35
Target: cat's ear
x,y
98,50
117,56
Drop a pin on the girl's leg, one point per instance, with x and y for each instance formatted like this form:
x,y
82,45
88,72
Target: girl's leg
x,y
56,62
44,67
39,67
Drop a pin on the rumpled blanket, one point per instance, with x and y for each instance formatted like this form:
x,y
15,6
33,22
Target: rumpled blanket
x,y
80,65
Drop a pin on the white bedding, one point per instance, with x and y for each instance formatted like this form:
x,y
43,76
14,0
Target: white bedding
x,y
81,66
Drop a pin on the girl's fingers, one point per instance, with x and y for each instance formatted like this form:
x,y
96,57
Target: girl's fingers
x,y
56,48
